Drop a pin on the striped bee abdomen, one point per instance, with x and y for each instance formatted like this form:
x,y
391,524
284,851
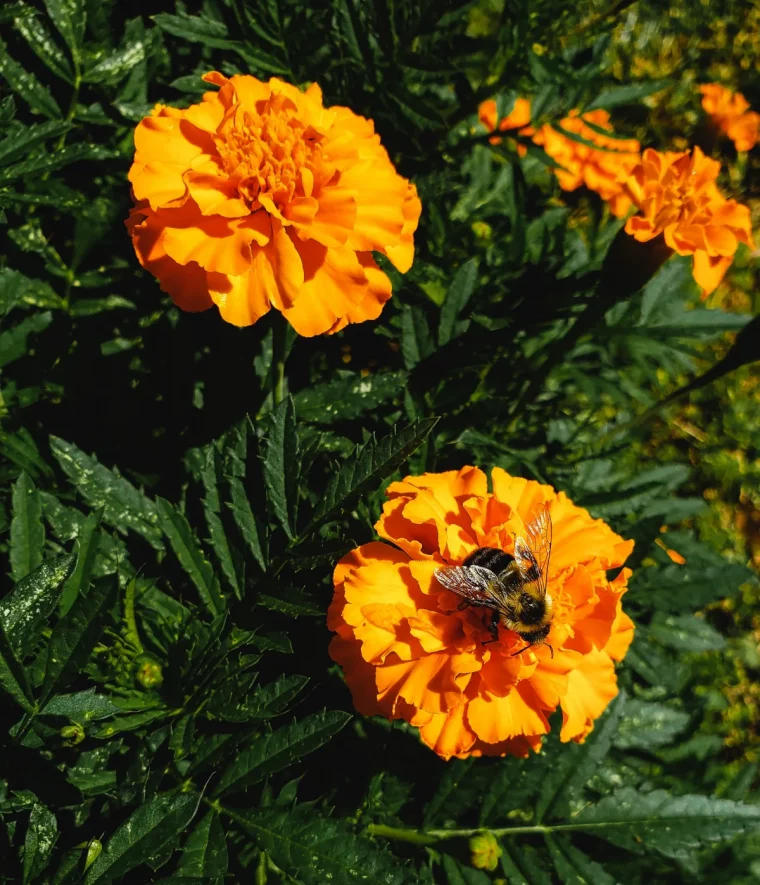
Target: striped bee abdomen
x,y
491,558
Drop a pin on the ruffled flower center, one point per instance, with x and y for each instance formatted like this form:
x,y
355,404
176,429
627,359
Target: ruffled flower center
x,y
269,152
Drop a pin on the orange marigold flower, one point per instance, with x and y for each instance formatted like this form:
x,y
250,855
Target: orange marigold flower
x,y
408,651
730,112
603,171
260,196
678,197
518,118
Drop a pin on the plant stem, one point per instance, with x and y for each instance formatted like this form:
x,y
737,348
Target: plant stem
x,y
279,355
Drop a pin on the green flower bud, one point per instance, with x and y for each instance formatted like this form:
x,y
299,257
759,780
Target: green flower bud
x,y
149,672
486,851
72,735
93,851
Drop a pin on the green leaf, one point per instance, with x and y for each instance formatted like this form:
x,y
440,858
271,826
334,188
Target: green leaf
x,y
23,139
87,551
366,469
315,850
646,724
81,706
416,340
26,85
27,531
458,294
25,610
119,63
73,153
281,466
205,852
573,866
250,528
43,45
459,874
268,701
673,826
123,506
273,752
76,634
291,602
521,865
13,342
196,29
191,557
685,633
152,827
629,94
12,674
70,18
39,842
20,448
347,398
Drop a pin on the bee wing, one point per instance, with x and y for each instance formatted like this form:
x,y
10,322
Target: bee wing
x,y
472,582
532,553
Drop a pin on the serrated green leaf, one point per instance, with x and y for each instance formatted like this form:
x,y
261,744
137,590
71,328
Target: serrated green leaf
x,y
152,827
70,18
685,633
76,634
573,867
673,826
81,706
196,29
43,45
366,468
646,724
267,701
291,602
123,505
564,781
87,550
273,752
130,723
191,557
12,674
25,610
459,874
347,398
26,85
416,339
45,163
20,448
252,531
205,851
458,294
316,850
629,94
23,139
41,835
118,64
281,466
27,532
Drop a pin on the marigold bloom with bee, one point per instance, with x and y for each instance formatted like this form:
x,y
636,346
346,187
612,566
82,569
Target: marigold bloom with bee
x,y
602,169
730,112
260,197
412,649
677,197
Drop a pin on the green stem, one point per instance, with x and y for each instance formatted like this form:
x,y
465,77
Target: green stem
x,y
132,636
279,356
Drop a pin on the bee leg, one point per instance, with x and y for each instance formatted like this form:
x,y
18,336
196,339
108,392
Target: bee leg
x,y
462,605
493,629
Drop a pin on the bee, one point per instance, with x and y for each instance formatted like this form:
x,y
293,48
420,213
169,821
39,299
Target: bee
x,y
513,587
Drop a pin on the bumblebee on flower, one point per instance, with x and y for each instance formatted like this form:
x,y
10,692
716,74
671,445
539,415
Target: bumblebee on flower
x,y
410,650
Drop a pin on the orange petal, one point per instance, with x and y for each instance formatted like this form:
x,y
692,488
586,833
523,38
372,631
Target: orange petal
x,y
334,283
336,216
244,299
402,255
591,686
288,267
495,719
380,195
448,733
215,195
709,271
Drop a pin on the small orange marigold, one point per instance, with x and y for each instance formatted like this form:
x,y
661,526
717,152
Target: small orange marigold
x,y
677,196
602,170
408,653
731,114
518,118
260,196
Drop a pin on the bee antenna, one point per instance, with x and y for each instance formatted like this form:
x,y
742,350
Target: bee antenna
x,y
519,651
550,649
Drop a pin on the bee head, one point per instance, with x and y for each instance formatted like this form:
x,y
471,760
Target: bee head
x,y
532,610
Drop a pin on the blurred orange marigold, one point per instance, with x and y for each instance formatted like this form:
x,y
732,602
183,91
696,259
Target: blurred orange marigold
x,y
260,196
518,118
602,170
678,197
731,114
407,652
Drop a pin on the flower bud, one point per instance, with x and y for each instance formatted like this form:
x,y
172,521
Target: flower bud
x,y
72,735
486,851
94,848
149,672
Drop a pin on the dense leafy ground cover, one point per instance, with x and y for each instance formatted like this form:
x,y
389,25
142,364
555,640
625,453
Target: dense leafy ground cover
x,y
172,505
